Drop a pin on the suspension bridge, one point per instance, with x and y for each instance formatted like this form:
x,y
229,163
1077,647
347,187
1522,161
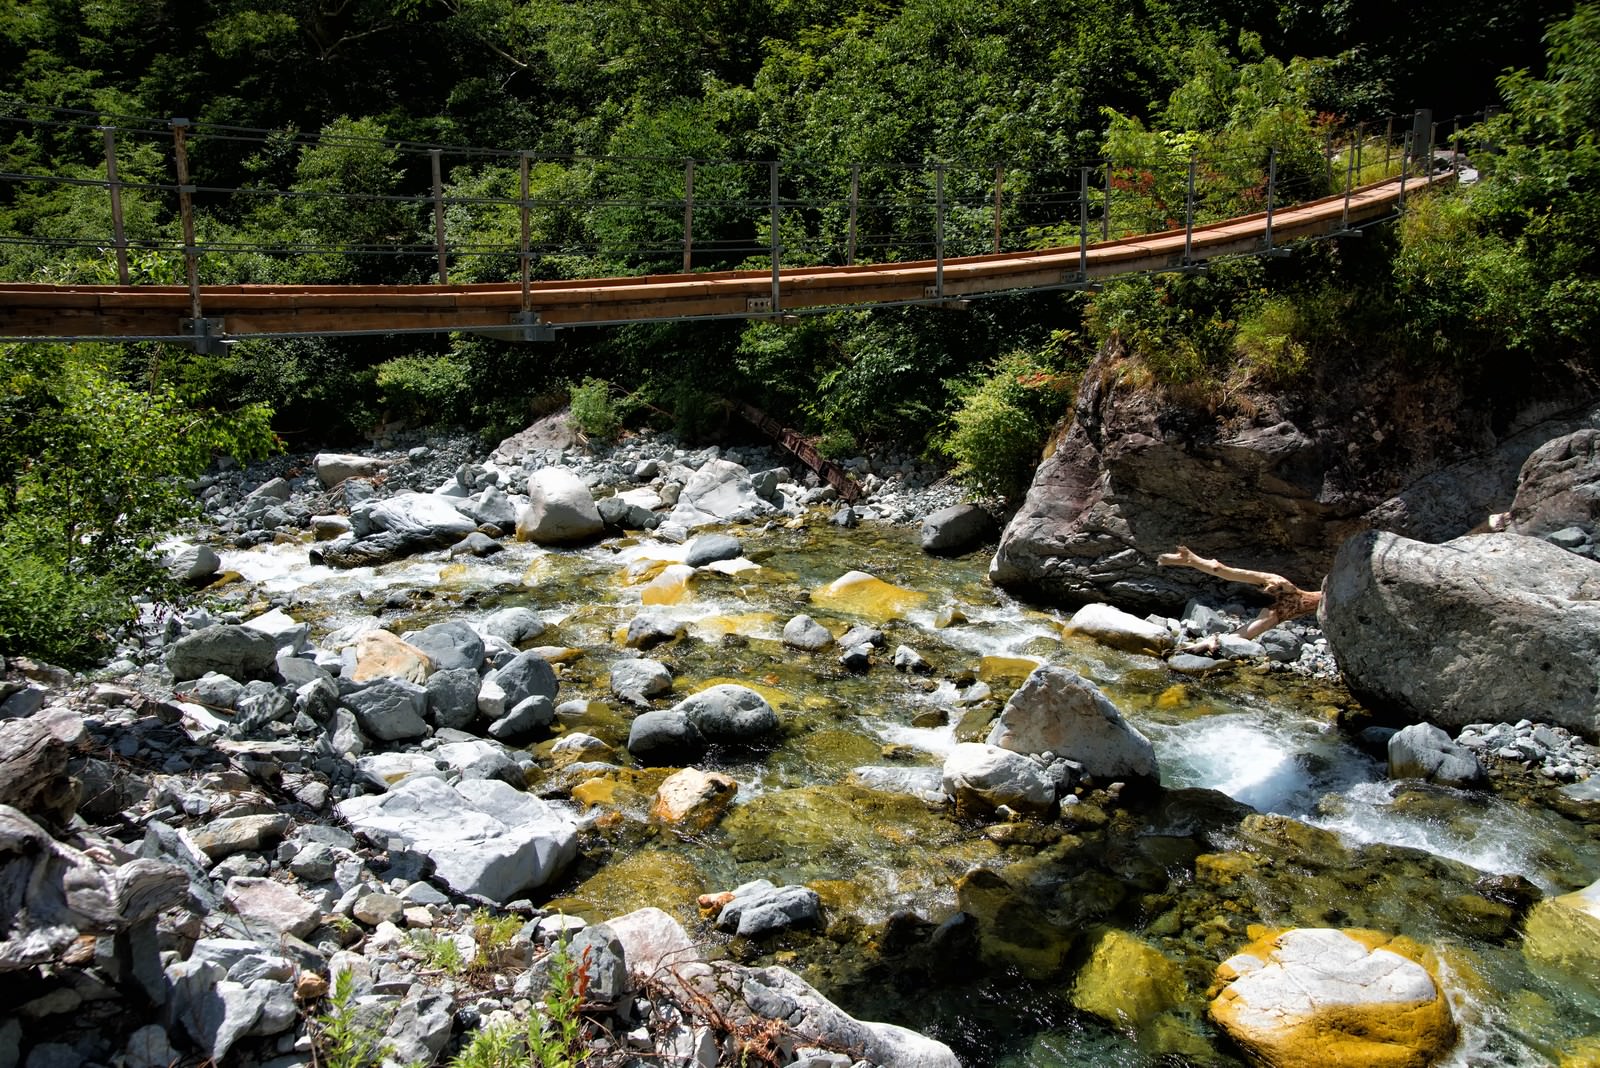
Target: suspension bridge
x,y
207,315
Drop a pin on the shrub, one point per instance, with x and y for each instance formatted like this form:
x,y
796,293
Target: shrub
x,y
1267,340
1000,429
424,389
594,410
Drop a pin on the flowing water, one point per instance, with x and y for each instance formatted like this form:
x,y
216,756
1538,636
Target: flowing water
x,y
1340,844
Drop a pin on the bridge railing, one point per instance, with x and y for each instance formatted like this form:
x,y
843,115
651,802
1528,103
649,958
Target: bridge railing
x,y
118,200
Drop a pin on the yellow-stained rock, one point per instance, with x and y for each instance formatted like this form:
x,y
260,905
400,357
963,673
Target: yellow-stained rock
x,y
669,587
860,594
650,878
692,800
1321,998
1221,869
996,668
1174,696
1581,1053
1008,924
601,791
1562,936
1128,982
749,624
381,655
775,697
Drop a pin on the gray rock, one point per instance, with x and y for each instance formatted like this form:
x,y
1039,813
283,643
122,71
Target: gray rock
x,y
986,777
908,659
1058,711
259,703
1558,490
526,719
514,625
1235,647
729,714
956,529
560,509
274,489
1492,628
333,467
1423,751
861,634
1281,645
637,681
1190,664
328,527
598,945
623,513
191,563
845,516
421,517
527,675
495,508
290,634
719,492
650,629
449,645
476,544
271,905
149,1047
421,1027
759,908
216,690
709,548
237,652
317,699
390,709
485,838
452,697
664,736
1120,630
803,632
856,658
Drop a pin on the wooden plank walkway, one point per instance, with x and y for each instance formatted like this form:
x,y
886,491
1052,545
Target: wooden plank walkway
x,y
46,311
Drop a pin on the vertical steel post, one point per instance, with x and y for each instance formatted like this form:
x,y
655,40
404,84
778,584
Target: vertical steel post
x,y
777,248
688,216
119,239
527,256
1105,215
1349,176
999,187
1188,216
191,251
1388,144
855,203
1272,188
435,157
1405,154
938,230
1083,224
1327,155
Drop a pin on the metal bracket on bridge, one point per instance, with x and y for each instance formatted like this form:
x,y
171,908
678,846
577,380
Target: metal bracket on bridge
x,y
758,305
531,328
208,337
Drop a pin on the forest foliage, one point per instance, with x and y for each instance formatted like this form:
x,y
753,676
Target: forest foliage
x,y
614,98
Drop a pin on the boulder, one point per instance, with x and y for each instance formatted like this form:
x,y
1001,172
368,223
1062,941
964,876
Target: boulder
x,y
453,697
1118,629
527,675
449,645
191,564
1423,751
334,467
560,509
710,548
524,720
493,508
1129,983
422,519
271,905
692,800
290,634
1313,997
1561,937
476,544
664,736
803,632
379,654
720,492
980,777
729,714
1559,487
237,652
650,629
514,625
758,908
1056,710
637,681
390,709
1491,628
956,529
485,838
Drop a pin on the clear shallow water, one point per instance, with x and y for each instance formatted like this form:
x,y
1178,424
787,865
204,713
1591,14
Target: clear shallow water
x,y
797,819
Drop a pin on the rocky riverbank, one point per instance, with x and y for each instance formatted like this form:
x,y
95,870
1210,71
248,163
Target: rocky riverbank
x,y
324,816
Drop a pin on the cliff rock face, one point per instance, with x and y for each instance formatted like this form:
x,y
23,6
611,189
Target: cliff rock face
x,y
1274,482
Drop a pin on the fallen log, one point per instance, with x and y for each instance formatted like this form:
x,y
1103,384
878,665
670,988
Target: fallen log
x,y
1288,600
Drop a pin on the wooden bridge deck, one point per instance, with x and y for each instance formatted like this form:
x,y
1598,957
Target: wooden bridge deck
x,y
45,311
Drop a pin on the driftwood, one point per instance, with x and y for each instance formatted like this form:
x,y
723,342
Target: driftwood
x,y
33,763
51,893
1288,600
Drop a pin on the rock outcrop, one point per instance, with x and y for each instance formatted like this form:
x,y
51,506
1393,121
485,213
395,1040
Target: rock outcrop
x,y
1276,485
1492,628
